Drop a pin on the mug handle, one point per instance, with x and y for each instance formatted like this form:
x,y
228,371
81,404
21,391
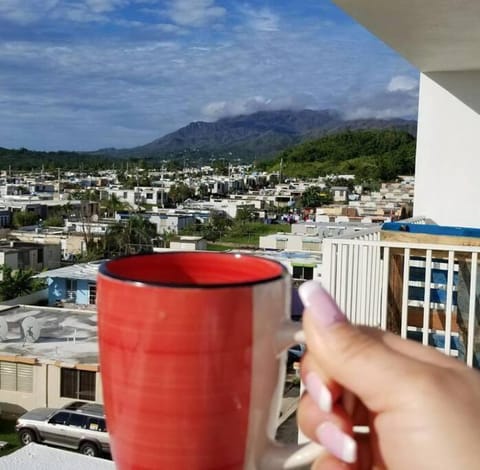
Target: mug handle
x,y
291,456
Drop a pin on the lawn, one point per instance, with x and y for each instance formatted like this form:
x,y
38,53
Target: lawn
x,y
8,434
248,234
218,247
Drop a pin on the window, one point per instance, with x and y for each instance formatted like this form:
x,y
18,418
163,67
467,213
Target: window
x,y
78,384
16,377
303,272
60,418
97,424
78,421
71,289
40,255
92,293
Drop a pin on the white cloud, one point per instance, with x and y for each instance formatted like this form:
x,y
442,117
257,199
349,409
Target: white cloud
x,y
24,12
104,6
102,88
194,12
402,83
219,109
398,100
262,19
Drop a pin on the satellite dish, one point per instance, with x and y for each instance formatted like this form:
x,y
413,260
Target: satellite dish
x,y
31,329
3,329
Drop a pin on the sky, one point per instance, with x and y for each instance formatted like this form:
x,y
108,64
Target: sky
x,y
91,74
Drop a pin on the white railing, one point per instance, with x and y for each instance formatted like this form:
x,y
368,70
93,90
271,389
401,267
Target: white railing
x,y
428,292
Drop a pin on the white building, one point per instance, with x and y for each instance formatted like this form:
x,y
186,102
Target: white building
x,y
49,371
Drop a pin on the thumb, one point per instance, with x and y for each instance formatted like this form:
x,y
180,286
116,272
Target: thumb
x,y
348,355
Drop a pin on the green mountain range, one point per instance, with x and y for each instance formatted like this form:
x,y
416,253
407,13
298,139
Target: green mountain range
x,y
258,136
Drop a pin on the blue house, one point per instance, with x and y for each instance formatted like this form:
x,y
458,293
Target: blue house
x,y
75,284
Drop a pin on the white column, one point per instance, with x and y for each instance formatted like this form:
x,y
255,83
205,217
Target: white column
x,y
447,177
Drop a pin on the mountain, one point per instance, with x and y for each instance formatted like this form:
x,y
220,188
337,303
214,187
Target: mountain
x,y
262,134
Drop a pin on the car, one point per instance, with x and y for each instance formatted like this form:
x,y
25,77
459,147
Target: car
x,y
78,425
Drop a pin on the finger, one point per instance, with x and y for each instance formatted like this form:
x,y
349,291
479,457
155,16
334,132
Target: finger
x,y
332,430
329,462
321,388
357,361
413,349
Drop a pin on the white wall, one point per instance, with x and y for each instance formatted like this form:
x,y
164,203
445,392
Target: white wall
x,y
447,176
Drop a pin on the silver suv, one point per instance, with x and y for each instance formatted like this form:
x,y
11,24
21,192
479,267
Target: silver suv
x,y
78,425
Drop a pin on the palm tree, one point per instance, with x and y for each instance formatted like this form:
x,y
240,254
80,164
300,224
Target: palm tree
x,y
113,204
17,283
133,236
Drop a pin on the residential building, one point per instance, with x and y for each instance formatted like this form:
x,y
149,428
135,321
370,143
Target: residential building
x,y
34,256
59,366
186,243
74,285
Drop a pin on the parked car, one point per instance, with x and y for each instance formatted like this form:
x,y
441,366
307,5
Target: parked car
x,y
78,425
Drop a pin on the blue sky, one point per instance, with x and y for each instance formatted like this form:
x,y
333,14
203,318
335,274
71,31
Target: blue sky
x,y
88,74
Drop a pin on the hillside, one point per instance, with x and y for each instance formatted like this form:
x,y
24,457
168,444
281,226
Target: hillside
x,y
370,155
259,135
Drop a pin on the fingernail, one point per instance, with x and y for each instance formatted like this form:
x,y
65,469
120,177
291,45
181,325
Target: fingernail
x,y
319,392
319,303
338,443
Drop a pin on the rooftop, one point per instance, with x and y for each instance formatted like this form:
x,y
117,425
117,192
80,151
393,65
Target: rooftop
x,y
86,271
69,336
43,457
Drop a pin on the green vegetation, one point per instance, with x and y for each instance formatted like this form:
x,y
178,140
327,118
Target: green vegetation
x,y
315,197
374,155
218,247
247,234
23,218
133,236
228,233
16,283
8,434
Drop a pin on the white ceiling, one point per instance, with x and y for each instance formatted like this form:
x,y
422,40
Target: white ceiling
x,y
433,35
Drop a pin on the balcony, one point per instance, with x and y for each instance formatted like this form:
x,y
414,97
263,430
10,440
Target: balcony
x,y
423,288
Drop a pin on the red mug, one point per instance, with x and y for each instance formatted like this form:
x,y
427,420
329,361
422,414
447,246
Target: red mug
x,y
192,357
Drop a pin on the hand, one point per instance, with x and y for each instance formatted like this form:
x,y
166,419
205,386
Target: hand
x,y
422,407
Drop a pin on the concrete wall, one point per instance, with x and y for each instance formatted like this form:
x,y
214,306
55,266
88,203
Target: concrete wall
x,y
448,148
46,391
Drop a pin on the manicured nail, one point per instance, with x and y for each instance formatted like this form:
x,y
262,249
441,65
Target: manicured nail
x,y
338,443
319,303
319,392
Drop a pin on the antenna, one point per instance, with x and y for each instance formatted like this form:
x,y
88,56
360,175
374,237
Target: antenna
x,y
31,329
3,329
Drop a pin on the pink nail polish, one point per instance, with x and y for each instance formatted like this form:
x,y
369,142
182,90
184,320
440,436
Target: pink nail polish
x,y
319,392
320,305
338,443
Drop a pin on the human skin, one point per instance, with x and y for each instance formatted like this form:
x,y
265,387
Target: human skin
x,y
422,407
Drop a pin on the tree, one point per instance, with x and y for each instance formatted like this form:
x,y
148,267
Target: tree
x,y
314,196
136,235
113,205
23,218
180,192
245,214
54,220
17,283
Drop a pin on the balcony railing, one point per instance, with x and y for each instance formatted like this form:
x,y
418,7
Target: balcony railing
x,y
427,292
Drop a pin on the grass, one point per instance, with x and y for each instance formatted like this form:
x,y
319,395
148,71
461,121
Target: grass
x,y
218,247
8,434
249,233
